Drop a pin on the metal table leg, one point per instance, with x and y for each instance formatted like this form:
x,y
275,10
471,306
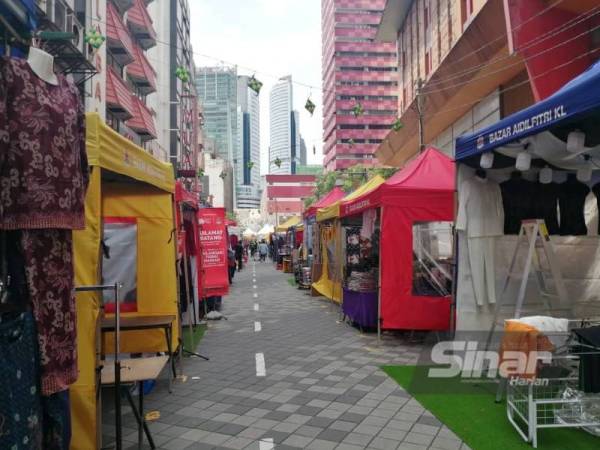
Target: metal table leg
x,y
139,416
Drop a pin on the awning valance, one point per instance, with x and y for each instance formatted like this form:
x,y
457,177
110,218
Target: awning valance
x,y
333,210
108,149
576,99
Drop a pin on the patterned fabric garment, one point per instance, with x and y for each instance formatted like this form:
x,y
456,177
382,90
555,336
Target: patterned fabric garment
x,y
43,163
49,273
20,409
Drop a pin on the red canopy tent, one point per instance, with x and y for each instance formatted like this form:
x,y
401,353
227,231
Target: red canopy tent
x,y
328,199
423,191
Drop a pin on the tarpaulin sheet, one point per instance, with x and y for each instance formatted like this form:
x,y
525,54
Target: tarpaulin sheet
x,y
333,210
213,249
292,221
331,197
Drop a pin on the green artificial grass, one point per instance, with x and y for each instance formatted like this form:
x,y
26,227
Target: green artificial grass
x,y
191,341
470,411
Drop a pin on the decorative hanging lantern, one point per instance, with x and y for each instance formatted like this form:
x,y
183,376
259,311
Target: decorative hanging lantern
x,y
277,162
250,165
223,175
255,84
310,106
351,142
94,38
358,110
314,150
182,73
397,125
200,172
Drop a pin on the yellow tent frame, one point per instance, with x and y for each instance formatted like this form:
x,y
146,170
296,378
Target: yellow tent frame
x,y
125,181
327,285
292,221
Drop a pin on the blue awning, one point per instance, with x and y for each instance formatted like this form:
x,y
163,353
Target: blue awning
x,y
572,102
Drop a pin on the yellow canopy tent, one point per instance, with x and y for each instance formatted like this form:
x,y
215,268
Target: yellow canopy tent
x,y
292,221
125,181
330,282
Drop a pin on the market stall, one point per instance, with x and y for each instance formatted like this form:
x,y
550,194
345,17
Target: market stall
x,y
416,211
539,163
129,217
328,251
283,243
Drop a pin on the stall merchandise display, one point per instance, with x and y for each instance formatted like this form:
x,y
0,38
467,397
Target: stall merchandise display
x,y
571,200
43,179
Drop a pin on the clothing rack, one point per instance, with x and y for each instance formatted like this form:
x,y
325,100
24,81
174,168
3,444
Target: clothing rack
x,y
113,287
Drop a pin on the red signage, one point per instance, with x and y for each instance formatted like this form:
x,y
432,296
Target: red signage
x,y
213,248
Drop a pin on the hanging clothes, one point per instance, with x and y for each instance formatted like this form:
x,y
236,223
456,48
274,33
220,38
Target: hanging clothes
x,y
49,270
518,197
481,217
20,406
56,411
43,163
571,201
546,205
596,191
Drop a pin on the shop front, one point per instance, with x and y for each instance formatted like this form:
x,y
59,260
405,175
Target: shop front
x,y
129,223
399,238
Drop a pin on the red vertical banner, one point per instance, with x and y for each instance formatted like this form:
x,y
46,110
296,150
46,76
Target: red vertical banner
x,y
213,252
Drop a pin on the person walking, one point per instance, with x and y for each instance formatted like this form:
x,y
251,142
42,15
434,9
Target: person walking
x,y
231,263
239,254
263,250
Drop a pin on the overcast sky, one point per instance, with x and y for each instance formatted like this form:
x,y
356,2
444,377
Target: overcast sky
x,y
273,38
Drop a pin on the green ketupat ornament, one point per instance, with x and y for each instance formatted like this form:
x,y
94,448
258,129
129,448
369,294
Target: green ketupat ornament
x,y
250,165
255,84
351,142
397,125
223,175
277,162
182,73
200,172
94,38
358,110
310,106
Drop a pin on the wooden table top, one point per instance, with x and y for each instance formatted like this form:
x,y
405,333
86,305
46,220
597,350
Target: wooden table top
x,y
137,322
133,370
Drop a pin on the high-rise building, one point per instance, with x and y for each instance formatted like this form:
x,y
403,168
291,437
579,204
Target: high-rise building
x,y
303,155
357,70
217,90
284,138
247,158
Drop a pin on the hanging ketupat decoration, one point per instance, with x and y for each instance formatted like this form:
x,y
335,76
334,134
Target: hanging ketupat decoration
x,y
200,172
358,110
255,84
397,125
223,175
310,106
182,73
250,165
277,162
351,142
94,38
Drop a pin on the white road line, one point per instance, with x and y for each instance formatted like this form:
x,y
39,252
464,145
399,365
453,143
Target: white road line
x,y
257,326
256,307
261,369
266,444
255,295
254,286
254,280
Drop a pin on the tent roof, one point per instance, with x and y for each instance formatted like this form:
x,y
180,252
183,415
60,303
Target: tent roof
x,y
578,98
334,210
332,196
184,196
292,221
431,173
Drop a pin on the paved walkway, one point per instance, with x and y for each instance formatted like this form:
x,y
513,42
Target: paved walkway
x,y
283,373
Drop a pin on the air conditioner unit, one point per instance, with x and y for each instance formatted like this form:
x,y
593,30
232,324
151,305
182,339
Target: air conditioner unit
x,y
64,19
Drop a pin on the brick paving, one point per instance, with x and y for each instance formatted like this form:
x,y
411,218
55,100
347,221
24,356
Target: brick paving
x,y
323,388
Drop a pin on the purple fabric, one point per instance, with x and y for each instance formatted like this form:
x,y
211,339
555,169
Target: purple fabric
x,y
361,307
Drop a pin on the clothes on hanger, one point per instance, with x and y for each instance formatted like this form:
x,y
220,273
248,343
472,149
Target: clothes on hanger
x,y
571,201
589,364
545,205
518,199
20,401
43,163
596,191
481,217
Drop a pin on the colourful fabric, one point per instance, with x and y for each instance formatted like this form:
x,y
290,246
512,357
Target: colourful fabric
x,y
43,163
20,408
49,271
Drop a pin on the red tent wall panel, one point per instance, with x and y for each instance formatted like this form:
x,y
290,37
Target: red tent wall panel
x,y
400,309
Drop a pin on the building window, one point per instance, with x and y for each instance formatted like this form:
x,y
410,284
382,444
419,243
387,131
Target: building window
x,y
466,11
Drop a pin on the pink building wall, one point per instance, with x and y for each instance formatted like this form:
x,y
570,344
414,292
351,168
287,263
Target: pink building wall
x,y
349,28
